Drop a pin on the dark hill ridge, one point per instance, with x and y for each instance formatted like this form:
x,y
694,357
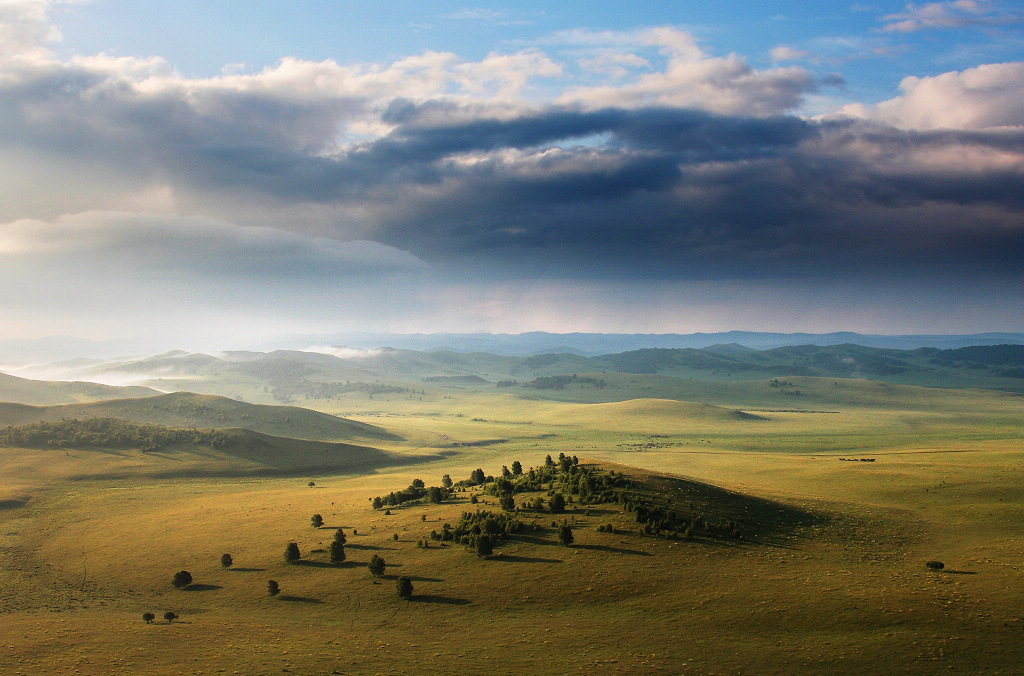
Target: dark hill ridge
x,y
186,410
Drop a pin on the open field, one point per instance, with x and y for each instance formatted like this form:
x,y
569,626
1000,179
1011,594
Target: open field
x,y
843,591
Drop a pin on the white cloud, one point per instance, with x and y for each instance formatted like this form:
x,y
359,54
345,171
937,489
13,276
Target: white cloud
x,y
984,97
940,15
784,53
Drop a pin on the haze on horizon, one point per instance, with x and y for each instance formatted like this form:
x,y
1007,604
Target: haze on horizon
x,y
215,175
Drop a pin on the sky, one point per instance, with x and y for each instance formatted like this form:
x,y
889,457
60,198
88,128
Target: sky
x,y
220,175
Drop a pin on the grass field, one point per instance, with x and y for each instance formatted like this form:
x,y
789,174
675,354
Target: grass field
x,y
844,591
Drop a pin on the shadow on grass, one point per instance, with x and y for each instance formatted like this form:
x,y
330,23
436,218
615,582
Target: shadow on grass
x,y
511,558
299,599
535,540
614,550
961,572
247,570
445,600
202,587
418,578
374,548
315,564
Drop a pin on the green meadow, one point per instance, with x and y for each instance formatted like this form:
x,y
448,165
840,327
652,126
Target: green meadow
x,y
843,489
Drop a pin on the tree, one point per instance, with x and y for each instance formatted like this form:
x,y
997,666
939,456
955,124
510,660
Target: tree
x,y
565,536
505,472
404,587
435,495
182,578
446,481
557,503
517,468
226,561
377,502
484,546
339,536
508,503
170,617
376,566
477,476
273,588
148,617
417,483
337,552
316,520
291,553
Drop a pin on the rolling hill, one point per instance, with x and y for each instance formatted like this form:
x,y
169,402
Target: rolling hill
x,y
44,393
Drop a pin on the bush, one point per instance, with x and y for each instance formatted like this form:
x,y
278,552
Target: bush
x,y
508,503
484,546
935,565
226,561
148,617
404,587
170,617
182,578
557,503
316,520
291,553
376,566
473,499
565,536
273,588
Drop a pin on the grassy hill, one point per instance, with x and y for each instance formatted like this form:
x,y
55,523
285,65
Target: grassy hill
x,y
187,410
46,393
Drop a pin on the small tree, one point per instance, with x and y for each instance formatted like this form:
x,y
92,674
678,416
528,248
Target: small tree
x,y
484,546
404,587
337,552
316,520
148,617
226,561
182,578
557,503
291,553
339,536
517,468
435,495
311,484
508,503
273,588
446,481
376,566
935,565
565,536
170,617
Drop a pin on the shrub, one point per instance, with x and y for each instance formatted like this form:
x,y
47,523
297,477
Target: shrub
x,y
395,537
473,499
404,587
316,520
182,578
226,561
376,566
508,503
484,546
311,484
291,553
170,617
148,617
565,536
935,565
557,503
273,588
337,552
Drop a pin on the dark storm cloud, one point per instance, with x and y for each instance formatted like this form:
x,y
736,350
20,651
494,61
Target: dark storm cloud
x,y
659,192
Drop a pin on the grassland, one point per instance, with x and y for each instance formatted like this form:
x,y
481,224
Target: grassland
x,y
843,591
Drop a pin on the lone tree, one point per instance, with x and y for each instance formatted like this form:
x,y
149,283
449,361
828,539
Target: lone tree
x,y
316,520
404,587
291,553
170,617
484,546
339,536
182,578
273,588
226,561
148,617
337,552
565,536
376,566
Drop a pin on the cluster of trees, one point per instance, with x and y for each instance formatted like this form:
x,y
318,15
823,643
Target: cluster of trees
x,y
479,530
561,382
417,490
111,433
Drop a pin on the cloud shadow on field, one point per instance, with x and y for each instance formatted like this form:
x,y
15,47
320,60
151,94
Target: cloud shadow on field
x,y
445,600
